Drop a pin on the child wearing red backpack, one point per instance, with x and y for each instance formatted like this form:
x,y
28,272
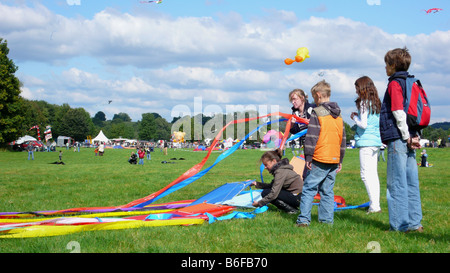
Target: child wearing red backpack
x,y
402,140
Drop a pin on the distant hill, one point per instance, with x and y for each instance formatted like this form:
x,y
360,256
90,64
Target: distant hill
x,y
444,125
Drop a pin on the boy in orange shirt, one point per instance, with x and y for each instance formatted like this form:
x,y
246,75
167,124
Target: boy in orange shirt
x,y
325,145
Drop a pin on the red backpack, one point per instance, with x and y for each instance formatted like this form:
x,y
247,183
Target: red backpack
x,y
416,104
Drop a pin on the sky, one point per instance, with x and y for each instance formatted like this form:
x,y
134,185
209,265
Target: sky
x,y
218,56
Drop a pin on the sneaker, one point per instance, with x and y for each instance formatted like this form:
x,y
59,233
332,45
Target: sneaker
x,y
373,211
419,230
294,211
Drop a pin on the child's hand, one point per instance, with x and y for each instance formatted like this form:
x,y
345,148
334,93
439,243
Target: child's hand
x,y
309,165
255,204
339,168
414,143
353,114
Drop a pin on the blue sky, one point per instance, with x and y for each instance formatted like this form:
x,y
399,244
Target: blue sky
x,y
226,53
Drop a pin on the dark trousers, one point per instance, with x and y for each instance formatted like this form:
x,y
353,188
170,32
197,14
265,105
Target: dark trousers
x,y
285,196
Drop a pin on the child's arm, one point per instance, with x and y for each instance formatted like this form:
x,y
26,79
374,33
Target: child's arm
x,y
312,136
276,187
343,146
396,93
361,120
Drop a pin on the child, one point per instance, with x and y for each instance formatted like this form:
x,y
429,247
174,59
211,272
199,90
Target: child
x,y
60,155
285,189
403,194
149,156
301,108
324,151
424,157
367,138
133,158
141,154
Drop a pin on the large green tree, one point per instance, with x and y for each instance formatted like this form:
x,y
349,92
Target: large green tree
x,y
153,127
76,123
11,116
99,118
121,117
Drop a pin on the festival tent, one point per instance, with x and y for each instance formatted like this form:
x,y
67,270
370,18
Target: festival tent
x,y
61,141
24,139
100,138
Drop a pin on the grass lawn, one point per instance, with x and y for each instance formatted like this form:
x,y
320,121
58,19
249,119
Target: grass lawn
x,y
88,181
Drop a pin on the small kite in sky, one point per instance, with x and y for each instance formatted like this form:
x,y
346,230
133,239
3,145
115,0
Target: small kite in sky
x,y
302,54
433,10
157,2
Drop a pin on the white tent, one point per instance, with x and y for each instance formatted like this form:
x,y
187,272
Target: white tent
x,y
25,139
100,138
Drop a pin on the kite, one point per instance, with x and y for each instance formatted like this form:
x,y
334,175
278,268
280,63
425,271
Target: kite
x,y
38,131
273,138
178,137
302,54
48,133
434,10
147,2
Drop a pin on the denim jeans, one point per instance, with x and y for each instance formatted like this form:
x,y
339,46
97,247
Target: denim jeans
x,y
320,179
30,153
403,194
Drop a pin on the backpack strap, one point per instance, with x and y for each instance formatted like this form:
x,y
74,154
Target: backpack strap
x,y
407,93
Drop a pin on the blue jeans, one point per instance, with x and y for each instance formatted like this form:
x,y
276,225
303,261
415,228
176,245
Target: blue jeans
x,y
141,161
403,194
320,179
30,153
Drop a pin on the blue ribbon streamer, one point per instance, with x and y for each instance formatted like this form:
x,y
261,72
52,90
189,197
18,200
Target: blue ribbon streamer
x,y
160,216
336,208
237,215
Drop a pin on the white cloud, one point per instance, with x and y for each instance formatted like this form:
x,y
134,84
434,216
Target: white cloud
x,y
161,61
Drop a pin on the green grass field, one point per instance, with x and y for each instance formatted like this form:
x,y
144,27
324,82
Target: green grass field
x,y
88,181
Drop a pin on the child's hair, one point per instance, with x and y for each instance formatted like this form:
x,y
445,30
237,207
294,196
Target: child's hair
x,y
399,58
300,93
322,87
367,95
271,155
